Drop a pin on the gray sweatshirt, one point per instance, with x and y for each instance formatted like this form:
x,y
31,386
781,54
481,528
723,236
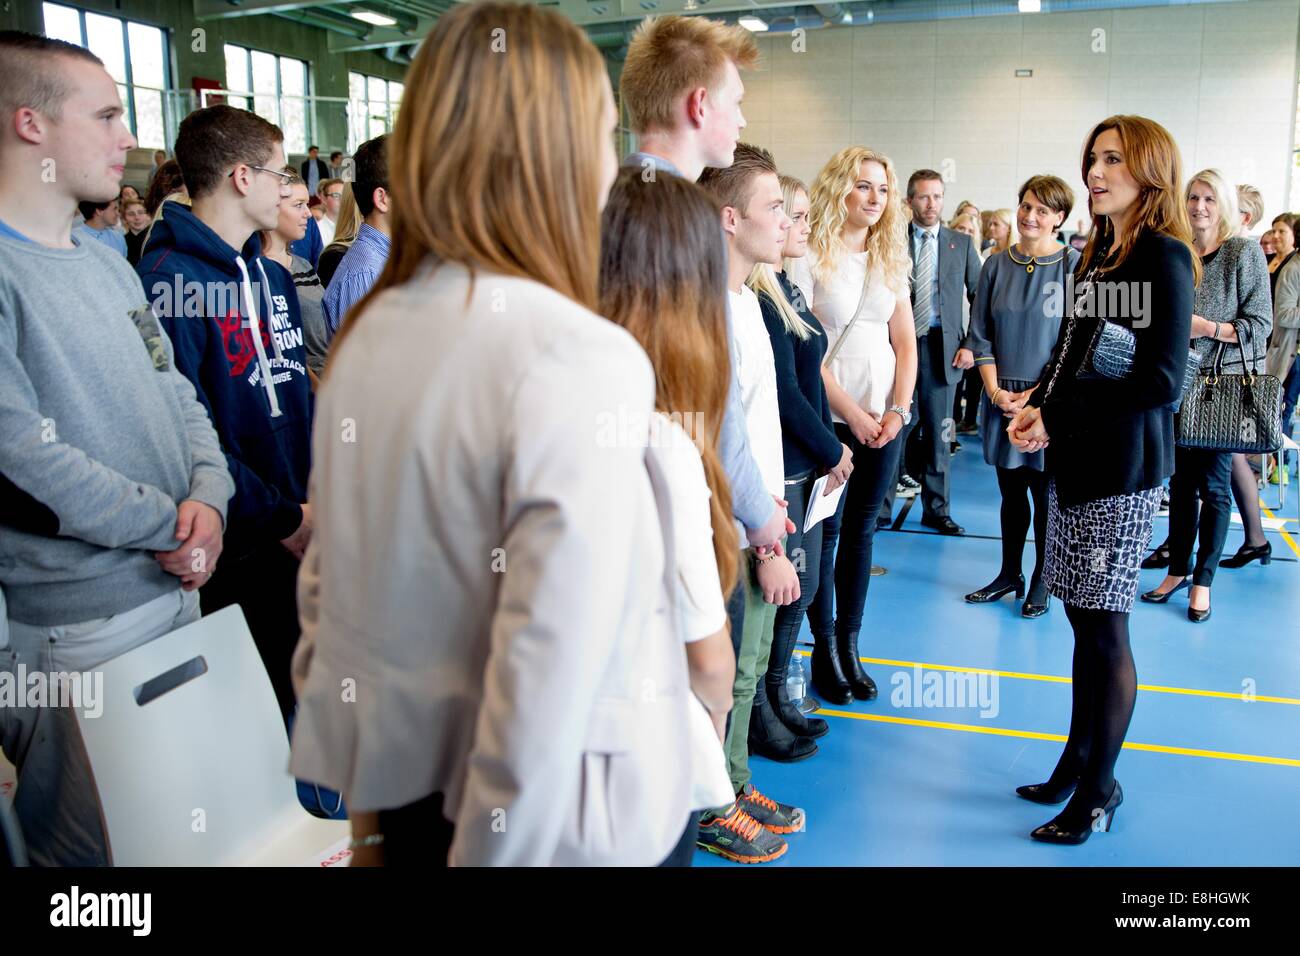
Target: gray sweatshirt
x,y
100,437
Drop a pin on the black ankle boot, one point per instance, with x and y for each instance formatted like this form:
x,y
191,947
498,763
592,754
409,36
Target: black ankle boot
x,y
827,675
862,686
789,714
770,738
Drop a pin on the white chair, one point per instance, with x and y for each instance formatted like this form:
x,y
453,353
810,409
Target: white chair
x,y
191,758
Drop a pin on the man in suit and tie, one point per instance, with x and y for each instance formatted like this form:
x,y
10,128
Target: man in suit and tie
x,y
945,266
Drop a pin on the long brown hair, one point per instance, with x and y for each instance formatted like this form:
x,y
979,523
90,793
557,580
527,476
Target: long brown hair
x,y
495,162
1151,156
663,277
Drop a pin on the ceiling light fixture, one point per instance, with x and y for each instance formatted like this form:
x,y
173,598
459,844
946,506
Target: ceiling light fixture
x,y
374,19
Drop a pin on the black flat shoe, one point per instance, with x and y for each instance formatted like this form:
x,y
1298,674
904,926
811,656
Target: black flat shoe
x,y
1156,597
1046,792
770,738
943,524
1159,558
1246,555
999,587
788,713
1072,832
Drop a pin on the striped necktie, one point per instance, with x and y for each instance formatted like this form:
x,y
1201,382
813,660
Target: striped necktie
x,y
922,279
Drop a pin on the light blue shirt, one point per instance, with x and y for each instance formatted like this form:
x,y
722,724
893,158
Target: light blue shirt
x,y
109,237
935,319
751,503
356,273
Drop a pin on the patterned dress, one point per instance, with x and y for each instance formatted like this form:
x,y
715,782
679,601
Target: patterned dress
x,y
1094,549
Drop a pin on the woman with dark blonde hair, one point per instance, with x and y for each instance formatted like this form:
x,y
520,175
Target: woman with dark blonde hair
x,y
1110,442
486,580
1230,329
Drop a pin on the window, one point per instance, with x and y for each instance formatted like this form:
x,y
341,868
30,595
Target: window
x,y
134,54
279,88
372,107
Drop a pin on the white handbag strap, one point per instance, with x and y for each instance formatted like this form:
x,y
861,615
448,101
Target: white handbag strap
x,y
835,349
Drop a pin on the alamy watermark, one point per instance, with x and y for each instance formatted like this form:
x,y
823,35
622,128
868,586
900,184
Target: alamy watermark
x,y
921,689
75,689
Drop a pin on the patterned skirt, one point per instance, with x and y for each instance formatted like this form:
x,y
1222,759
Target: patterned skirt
x,y
1094,550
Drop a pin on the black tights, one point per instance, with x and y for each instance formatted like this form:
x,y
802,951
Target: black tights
x,y
1018,486
1245,488
1104,690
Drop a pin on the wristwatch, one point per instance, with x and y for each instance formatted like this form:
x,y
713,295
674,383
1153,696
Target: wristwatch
x,y
902,413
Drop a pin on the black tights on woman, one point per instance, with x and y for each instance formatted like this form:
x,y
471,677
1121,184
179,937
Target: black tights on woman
x,y
1245,489
1018,487
1104,690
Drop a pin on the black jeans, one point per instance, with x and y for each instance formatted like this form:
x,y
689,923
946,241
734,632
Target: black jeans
x,y
684,852
806,553
416,834
265,586
844,576
1205,475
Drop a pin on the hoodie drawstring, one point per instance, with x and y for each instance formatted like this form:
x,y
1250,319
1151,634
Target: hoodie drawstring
x,y
255,326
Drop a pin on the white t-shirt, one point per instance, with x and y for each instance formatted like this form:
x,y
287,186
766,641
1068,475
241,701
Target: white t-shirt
x,y
864,365
756,376
326,227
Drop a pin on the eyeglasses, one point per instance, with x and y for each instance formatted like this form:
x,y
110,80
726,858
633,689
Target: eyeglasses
x,y
284,177
333,195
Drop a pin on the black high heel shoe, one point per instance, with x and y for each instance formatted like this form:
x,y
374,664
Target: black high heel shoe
x,y
1038,601
1246,555
1072,833
1198,617
1155,597
860,683
827,675
997,588
1047,792
1159,558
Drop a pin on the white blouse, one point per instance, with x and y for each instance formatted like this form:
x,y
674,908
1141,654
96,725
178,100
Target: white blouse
x,y
864,365
703,610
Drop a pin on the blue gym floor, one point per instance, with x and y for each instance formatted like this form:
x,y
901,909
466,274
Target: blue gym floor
x,y
1210,778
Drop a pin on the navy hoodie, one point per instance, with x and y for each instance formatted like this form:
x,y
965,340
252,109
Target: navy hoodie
x,y
209,298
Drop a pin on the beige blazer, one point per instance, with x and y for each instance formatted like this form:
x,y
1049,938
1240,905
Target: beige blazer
x,y
484,604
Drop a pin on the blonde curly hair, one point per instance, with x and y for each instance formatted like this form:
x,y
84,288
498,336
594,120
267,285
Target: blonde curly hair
x,y
887,239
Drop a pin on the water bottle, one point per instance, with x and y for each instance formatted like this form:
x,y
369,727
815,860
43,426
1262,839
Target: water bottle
x,y
795,687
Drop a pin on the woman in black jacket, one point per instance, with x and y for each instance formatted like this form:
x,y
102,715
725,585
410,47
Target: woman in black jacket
x,y
810,449
1110,445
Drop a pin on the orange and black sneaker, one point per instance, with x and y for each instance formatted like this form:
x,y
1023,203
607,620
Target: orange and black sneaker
x,y
777,817
737,836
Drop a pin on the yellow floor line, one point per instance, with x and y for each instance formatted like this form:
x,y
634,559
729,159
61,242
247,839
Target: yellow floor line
x,y
1282,531
1053,679
1034,735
